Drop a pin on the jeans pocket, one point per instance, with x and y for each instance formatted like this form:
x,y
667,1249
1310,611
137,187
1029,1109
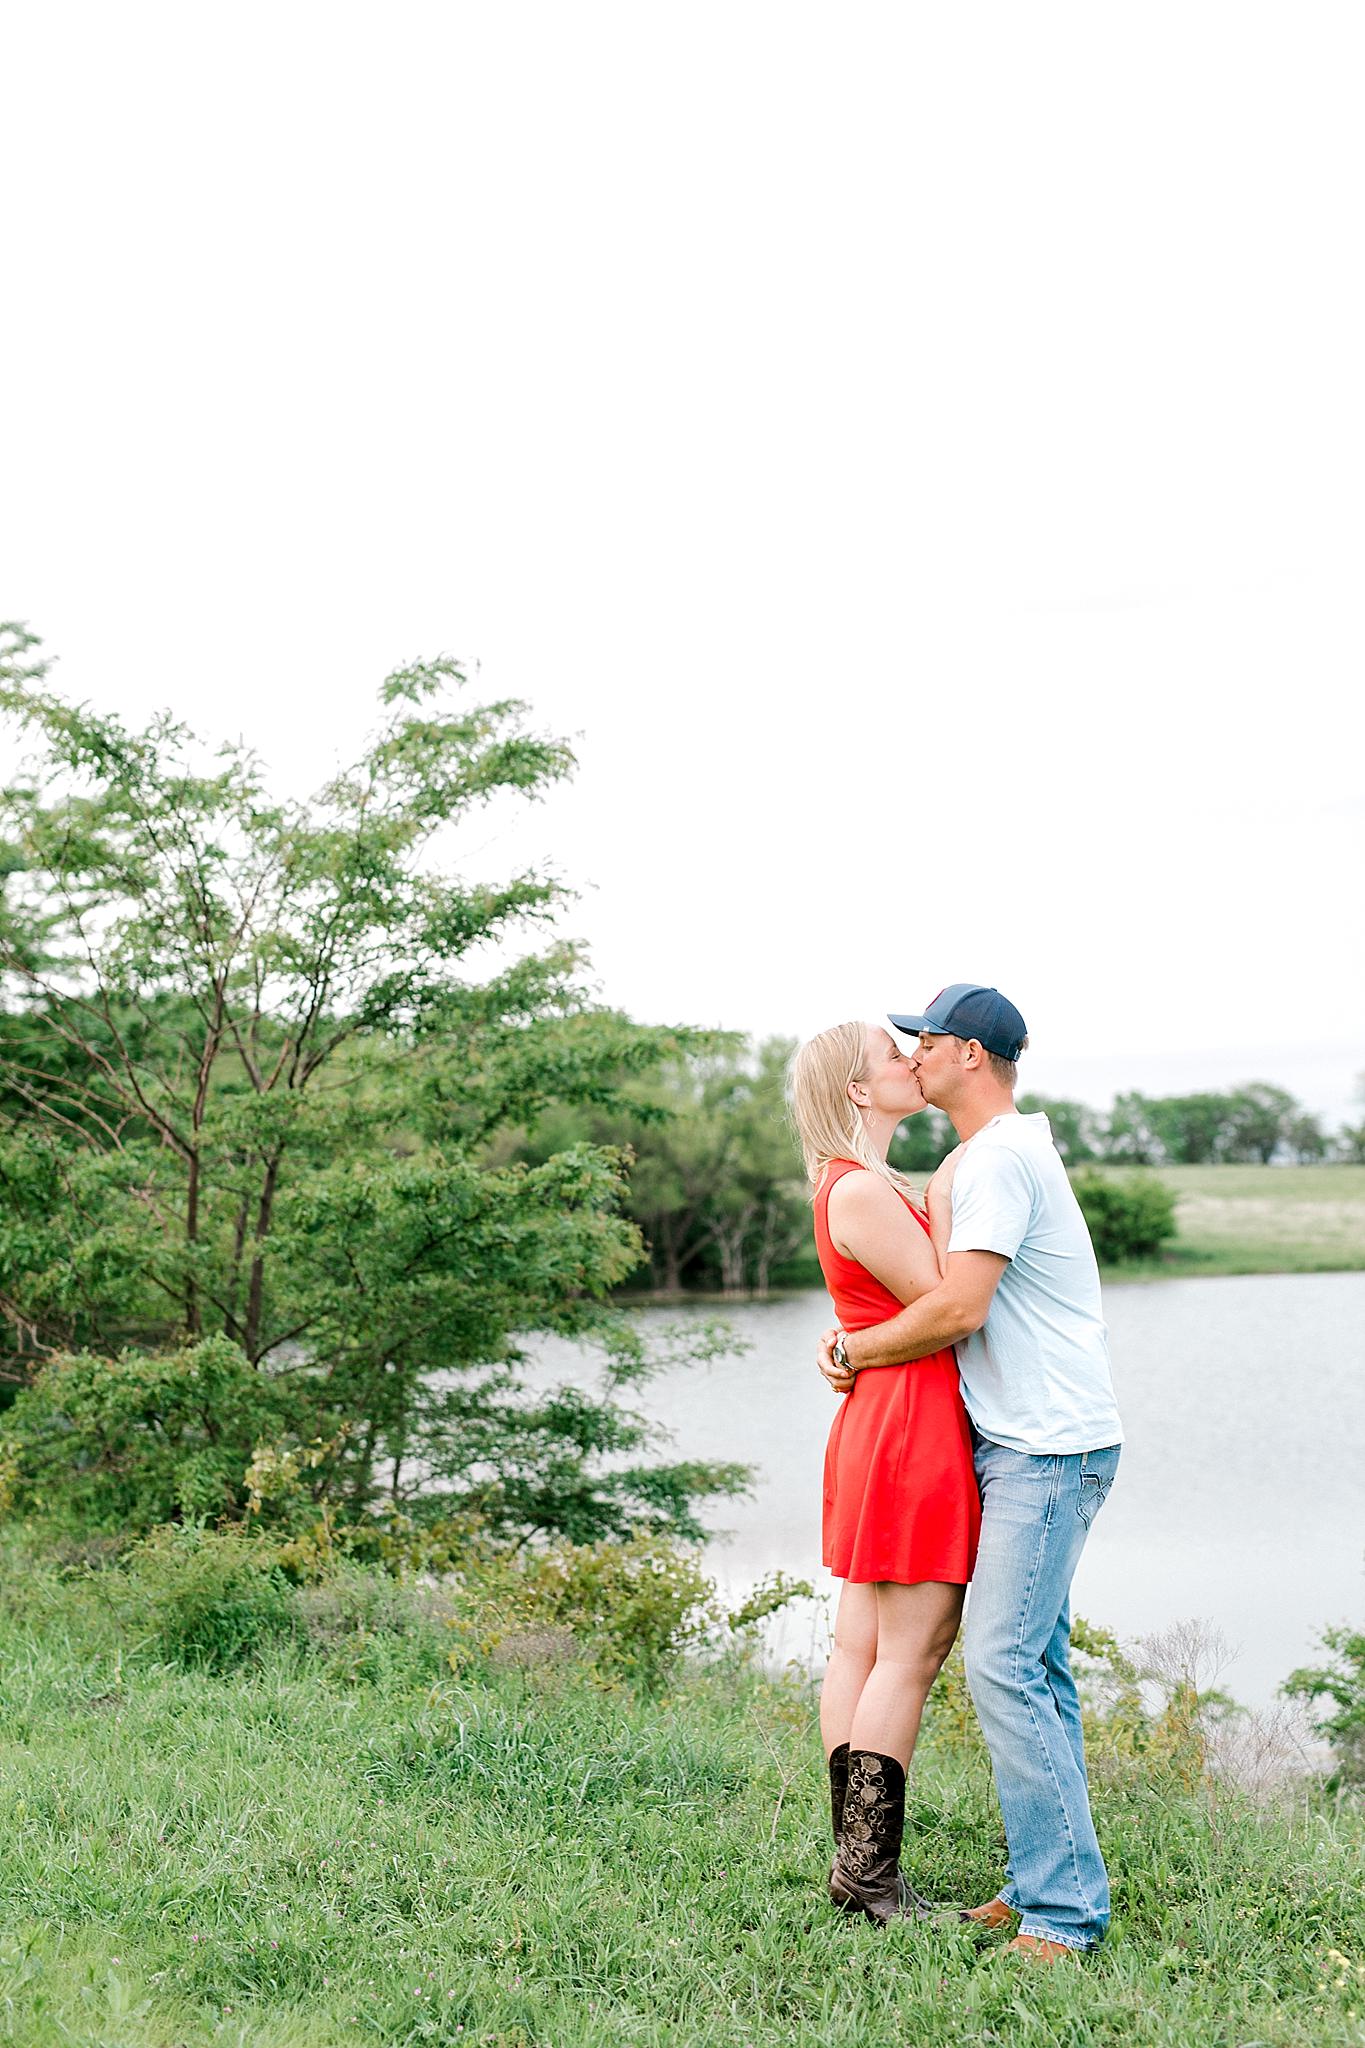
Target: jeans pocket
x,y
1092,1496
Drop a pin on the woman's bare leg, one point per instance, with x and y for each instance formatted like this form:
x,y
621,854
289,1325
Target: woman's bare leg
x,y
915,1629
850,1661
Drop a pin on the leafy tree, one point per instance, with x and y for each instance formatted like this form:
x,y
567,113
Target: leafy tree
x,y
1077,1129
715,1183
1304,1137
1351,1139
1190,1130
1129,1133
114,1443
1337,1691
921,1142
249,1087
758,1213
1259,1114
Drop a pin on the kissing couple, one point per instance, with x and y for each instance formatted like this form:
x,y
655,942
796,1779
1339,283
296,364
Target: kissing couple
x,y
978,1440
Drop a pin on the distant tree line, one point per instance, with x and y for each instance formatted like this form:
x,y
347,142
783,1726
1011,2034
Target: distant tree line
x,y
1256,1124
716,1189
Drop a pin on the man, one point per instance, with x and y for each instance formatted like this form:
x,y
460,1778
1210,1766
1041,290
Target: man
x,y
1020,1298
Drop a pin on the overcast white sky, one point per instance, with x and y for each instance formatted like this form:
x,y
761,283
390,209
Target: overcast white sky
x,y
915,452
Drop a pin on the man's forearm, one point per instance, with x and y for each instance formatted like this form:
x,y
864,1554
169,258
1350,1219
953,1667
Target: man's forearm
x,y
932,1323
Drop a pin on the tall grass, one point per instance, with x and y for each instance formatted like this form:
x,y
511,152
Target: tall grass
x,y
350,1841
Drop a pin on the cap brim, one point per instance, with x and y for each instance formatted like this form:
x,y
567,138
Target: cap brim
x,y
912,1023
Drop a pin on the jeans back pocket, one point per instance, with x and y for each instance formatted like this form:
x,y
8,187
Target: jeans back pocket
x,y
1096,1481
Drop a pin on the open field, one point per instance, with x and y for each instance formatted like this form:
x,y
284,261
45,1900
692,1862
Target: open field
x,y
1264,1219
362,1847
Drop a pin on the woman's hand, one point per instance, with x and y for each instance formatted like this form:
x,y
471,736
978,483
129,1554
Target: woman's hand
x,y
938,1200
940,1181
841,1382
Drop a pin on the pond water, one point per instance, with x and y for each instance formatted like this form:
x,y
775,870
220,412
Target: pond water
x,y
1241,1497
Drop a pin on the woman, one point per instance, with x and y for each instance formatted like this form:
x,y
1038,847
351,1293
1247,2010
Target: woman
x,y
901,1511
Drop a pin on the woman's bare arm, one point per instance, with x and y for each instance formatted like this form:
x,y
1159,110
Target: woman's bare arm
x,y
869,1222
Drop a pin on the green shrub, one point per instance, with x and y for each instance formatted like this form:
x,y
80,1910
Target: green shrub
x,y
1343,1684
217,1598
626,1610
365,1625
127,1443
638,1604
771,1594
209,1599
1130,1216
315,1545
629,1608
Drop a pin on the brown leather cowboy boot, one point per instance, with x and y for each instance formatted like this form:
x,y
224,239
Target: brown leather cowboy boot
x,y
866,1877
1039,1949
838,1787
994,1915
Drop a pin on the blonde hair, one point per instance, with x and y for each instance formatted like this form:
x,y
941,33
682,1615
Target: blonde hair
x,y
827,1122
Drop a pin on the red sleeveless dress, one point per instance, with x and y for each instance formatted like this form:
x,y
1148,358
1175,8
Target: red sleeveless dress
x,y
901,1499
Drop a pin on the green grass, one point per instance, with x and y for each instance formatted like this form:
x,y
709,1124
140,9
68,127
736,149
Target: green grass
x,y
1262,1219
363,1847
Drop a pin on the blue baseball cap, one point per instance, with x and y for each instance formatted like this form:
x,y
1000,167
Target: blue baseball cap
x,y
964,1010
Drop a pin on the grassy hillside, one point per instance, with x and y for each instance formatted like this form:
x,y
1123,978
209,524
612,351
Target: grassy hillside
x,y
1265,1219
352,1843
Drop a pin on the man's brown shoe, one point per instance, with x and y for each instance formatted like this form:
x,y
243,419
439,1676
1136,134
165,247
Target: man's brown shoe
x,y
1040,1949
992,1916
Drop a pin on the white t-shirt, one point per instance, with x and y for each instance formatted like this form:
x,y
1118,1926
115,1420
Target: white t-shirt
x,y
1035,1377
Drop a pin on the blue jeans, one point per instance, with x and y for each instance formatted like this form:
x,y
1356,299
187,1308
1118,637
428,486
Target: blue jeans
x,y
1036,1515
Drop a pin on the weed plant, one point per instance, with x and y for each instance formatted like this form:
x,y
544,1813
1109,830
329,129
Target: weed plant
x,y
349,1838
